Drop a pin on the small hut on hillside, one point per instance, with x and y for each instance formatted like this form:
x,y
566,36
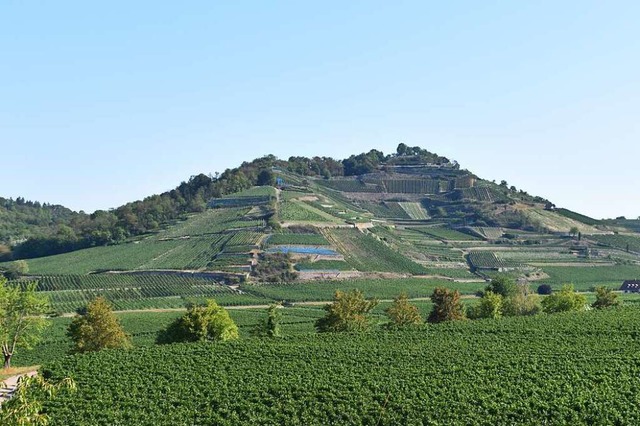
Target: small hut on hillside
x,y
631,286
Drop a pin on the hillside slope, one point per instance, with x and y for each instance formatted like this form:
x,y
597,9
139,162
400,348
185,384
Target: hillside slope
x,y
402,217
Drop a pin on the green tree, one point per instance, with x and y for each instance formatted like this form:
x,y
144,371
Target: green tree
x,y
574,231
605,298
97,329
447,306
270,327
564,300
401,313
348,312
21,321
25,408
522,303
502,285
209,322
489,306
266,178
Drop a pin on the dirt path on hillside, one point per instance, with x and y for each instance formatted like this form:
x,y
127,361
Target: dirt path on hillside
x,y
9,385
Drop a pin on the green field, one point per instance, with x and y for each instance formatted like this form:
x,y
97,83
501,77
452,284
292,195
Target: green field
x,y
144,327
623,242
329,265
452,272
298,211
577,216
578,368
445,233
69,293
190,244
378,288
586,277
210,222
192,253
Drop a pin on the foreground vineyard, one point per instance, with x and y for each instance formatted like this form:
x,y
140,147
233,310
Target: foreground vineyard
x,y
577,368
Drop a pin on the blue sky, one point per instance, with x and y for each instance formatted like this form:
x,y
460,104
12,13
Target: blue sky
x,y
101,104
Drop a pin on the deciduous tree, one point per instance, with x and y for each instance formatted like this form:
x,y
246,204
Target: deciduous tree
x,y
605,298
502,285
523,302
447,305
348,312
97,329
564,300
21,321
401,313
210,322
489,306
16,269
574,231
266,178
270,327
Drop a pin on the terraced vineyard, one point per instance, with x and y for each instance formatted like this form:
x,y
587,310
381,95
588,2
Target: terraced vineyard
x,y
196,243
486,260
412,186
211,221
480,194
542,257
488,233
578,217
366,253
192,253
445,233
297,211
349,185
623,242
426,247
520,378
388,209
415,211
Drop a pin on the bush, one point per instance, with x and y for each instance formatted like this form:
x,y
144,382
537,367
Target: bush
x,y
447,306
16,269
347,312
489,306
201,323
565,300
522,303
605,298
401,313
97,329
503,285
544,289
270,327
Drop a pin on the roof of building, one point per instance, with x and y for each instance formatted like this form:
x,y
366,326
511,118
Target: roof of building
x,y
630,285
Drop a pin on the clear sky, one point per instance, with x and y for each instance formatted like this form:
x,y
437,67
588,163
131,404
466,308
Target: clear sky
x,y
107,102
